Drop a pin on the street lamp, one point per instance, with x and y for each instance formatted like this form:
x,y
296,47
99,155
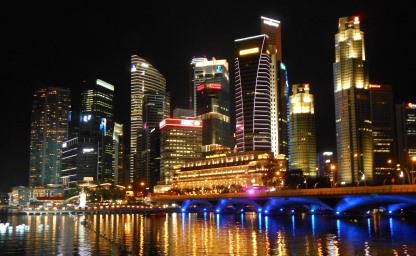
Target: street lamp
x,y
306,183
333,175
402,176
412,172
362,178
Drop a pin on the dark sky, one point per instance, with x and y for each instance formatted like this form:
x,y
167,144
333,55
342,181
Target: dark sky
x,y
60,43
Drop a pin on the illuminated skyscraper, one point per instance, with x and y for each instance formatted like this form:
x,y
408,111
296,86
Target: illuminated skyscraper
x,y
279,88
352,105
180,141
144,78
120,177
252,94
156,107
406,137
48,129
211,92
384,133
97,100
302,131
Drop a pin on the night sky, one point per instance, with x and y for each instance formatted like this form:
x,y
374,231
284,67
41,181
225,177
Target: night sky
x,y
46,43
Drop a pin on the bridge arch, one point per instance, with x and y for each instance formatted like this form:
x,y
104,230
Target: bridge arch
x,y
389,202
197,204
236,205
285,205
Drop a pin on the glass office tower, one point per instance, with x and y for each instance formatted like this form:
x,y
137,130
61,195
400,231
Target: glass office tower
x,y
48,129
156,107
97,99
384,133
252,94
279,87
352,105
144,78
212,104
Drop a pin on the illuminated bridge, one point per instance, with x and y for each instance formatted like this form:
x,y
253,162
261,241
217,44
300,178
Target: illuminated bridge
x,y
390,199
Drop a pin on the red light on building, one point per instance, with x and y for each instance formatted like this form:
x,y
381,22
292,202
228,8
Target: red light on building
x,y
374,86
173,122
214,86
200,87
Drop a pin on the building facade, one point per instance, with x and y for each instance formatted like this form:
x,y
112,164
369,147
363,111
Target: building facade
x,y
230,173
144,78
406,138
120,175
180,141
212,106
80,160
252,94
384,133
48,129
302,131
156,107
279,87
352,105
97,100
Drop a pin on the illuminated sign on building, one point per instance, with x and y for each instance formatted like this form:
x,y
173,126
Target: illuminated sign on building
x,y
219,69
86,118
196,123
411,105
103,125
200,87
214,86
374,86
249,51
87,150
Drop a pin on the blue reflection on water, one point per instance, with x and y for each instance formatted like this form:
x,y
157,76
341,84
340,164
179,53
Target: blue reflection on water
x,y
211,234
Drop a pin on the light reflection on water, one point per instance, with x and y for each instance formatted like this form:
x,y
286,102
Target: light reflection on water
x,y
208,234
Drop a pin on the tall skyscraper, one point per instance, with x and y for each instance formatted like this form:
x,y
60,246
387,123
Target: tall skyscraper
x,y
119,168
406,138
252,94
384,133
80,157
302,131
352,105
156,107
97,98
211,90
279,87
144,78
48,129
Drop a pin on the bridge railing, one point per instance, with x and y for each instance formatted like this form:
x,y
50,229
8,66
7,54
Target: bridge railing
x,y
339,191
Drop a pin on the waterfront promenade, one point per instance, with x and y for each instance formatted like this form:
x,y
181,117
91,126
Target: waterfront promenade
x,y
97,209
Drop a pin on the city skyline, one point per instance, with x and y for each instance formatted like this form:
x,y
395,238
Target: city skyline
x,y
60,45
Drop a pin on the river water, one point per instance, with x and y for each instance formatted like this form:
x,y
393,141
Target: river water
x,y
206,234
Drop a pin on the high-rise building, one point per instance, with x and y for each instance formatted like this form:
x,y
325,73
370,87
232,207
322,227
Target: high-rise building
x,y
327,167
120,177
80,157
302,131
156,107
180,142
144,78
352,105
384,133
48,129
252,94
406,140
279,87
212,104
97,98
